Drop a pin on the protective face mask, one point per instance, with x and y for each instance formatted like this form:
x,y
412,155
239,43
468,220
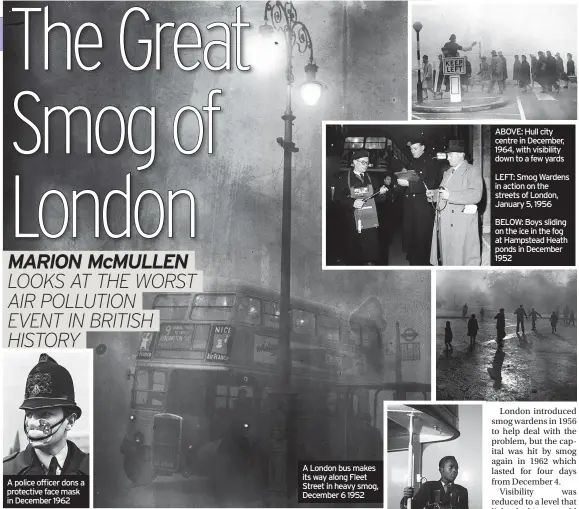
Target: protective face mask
x,y
42,433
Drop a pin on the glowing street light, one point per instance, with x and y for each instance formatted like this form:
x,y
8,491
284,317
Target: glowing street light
x,y
284,20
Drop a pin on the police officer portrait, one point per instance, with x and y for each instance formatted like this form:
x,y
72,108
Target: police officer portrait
x,y
47,412
434,456
404,195
520,66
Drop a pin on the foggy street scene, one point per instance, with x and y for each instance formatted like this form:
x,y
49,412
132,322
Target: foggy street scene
x,y
506,336
279,361
230,448
519,66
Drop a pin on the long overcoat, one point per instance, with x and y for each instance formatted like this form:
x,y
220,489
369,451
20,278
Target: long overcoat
x,y
459,232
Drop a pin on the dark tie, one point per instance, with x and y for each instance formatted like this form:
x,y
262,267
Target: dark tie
x,y
53,466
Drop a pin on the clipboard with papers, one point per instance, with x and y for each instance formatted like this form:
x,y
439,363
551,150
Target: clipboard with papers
x,y
409,175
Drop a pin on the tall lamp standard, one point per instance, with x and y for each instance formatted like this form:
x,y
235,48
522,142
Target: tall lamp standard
x,y
418,26
284,19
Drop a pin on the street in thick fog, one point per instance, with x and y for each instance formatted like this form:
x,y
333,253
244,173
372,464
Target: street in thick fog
x,y
528,365
538,369
511,30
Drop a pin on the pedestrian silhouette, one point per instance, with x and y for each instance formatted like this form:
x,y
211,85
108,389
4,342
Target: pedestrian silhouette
x,y
448,337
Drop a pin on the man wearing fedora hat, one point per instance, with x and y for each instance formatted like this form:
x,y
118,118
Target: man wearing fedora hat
x,y
455,236
50,413
496,72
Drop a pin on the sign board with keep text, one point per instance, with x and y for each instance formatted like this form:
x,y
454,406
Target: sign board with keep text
x,y
454,65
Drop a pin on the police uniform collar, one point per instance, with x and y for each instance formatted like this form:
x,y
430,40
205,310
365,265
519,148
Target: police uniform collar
x,y
77,462
60,456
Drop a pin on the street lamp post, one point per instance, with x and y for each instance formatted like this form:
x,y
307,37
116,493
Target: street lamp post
x,y
418,26
283,18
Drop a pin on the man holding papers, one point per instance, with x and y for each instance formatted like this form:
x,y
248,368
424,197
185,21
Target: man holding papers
x,y
455,236
424,174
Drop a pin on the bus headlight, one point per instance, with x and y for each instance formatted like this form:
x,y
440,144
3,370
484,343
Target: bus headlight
x,y
138,437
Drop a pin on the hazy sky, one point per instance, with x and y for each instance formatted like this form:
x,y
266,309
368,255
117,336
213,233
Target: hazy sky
x,y
494,289
513,29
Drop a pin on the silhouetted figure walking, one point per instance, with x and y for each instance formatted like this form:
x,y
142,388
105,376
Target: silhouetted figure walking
x,y
501,333
554,319
521,315
472,330
448,337
533,314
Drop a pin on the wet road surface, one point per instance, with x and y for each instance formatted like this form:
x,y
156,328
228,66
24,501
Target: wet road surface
x,y
174,491
540,366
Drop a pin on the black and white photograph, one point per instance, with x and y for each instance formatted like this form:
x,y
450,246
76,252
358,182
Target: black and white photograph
x,y
434,456
47,408
351,59
506,335
279,360
214,411
406,195
509,61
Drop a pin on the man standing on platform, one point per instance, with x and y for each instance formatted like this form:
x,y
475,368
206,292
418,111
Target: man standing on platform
x,y
450,49
442,493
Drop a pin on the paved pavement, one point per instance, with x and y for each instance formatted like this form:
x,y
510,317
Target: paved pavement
x,y
540,366
531,105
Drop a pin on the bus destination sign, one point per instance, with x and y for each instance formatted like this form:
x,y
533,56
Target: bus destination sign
x,y
175,336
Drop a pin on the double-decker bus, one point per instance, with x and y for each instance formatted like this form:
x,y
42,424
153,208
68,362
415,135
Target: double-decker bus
x,y
214,361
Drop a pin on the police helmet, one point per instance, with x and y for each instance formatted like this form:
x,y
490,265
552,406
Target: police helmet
x,y
49,385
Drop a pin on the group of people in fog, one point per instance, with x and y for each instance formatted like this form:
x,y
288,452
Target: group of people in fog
x,y
520,314
545,69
